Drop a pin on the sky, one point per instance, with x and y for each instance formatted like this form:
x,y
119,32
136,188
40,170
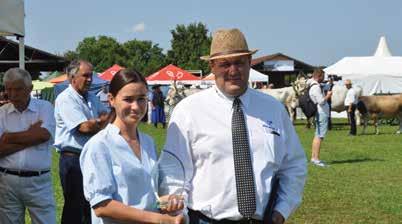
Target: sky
x,y
318,32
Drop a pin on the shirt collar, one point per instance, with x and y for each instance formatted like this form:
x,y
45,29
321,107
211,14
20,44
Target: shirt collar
x,y
113,129
244,98
73,91
32,106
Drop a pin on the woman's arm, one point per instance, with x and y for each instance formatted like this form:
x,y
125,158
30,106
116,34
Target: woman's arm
x,y
116,210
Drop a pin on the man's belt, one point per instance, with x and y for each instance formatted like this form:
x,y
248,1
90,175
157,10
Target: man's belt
x,y
199,215
23,173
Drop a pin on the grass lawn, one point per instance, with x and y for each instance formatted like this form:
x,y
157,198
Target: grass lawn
x,y
363,183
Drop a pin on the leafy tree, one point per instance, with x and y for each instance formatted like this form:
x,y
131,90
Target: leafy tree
x,y
70,55
144,56
102,52
188,44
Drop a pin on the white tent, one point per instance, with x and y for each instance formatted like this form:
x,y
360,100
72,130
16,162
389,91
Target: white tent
x,y
255,76
12,23
381,73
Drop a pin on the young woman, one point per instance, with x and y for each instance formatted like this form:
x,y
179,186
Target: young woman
x,y
116,163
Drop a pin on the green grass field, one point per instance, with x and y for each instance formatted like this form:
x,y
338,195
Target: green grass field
x,y
363,183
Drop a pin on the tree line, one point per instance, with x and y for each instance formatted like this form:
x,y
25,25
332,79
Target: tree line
x,y
188,43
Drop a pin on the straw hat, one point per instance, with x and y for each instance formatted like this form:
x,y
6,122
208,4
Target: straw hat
x,y
228,43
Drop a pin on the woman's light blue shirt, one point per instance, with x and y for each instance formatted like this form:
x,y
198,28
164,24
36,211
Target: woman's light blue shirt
x,y
111,170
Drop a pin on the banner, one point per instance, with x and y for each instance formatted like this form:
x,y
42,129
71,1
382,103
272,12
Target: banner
x,y
279,65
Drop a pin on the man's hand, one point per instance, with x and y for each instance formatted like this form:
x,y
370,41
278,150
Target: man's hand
x,y
35,126
277,218
3,138
329,94
171,203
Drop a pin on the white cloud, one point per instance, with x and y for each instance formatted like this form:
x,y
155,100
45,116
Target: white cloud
x,y
139,28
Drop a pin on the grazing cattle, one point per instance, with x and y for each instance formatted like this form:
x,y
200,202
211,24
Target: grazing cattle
x,y
380,107
289,96
175,95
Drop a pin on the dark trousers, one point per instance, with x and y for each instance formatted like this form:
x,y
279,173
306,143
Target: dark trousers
x,y
329,117
352,120
197,217
76,209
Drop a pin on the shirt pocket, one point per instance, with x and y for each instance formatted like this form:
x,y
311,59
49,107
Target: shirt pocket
x,y
275,147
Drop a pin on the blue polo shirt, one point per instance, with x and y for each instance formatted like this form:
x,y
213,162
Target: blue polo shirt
x,y
72,109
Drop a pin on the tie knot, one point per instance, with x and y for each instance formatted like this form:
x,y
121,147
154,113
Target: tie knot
x,y
236,103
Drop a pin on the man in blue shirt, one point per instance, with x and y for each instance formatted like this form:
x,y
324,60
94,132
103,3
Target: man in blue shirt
x,y
79,114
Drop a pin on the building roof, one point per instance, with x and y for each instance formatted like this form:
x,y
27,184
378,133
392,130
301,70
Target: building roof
x,y
271,57
35,59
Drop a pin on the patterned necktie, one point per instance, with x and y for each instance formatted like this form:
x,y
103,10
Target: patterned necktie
x,y
242,163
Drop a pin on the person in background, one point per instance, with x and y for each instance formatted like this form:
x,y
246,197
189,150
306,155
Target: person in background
x,y
158,107
26,136
232,148
119,188
328,87
102,95
350,104
318,97
79,115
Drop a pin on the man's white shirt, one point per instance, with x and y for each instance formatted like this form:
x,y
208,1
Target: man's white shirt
x,y
317,96
200,134
351,97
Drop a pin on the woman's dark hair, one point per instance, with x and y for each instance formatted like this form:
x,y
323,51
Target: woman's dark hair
x,y
119,80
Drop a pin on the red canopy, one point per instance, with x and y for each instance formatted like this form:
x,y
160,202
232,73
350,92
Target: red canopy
x,y
172,73
109,73
58,79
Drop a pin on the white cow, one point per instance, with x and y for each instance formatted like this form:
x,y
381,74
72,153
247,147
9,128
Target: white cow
x,y
289,96
175,94
338,99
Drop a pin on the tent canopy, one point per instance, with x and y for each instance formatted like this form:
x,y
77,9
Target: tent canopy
x,y
109,73
172,73
381,73
12,18
96,86
39,85
255,76
58,79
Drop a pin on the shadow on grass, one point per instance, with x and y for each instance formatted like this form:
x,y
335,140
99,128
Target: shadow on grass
x,y
362,160
381,133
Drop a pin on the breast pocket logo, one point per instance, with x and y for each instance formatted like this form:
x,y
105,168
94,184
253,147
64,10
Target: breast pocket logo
x,y
271,128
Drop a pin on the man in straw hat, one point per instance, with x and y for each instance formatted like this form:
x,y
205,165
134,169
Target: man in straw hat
x,y
350,104
233,140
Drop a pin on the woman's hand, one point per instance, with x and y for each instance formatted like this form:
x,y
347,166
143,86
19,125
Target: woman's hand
x,y
167,219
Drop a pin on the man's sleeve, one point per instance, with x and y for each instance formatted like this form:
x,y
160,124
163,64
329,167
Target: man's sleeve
x,y
316,94
48,121
292,172
178,141
1,122
71,113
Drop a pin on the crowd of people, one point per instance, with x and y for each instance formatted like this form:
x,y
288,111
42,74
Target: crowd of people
x,y
243,163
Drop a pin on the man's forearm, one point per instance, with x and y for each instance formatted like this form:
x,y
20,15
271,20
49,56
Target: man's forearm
x,y
92,126
8,149
27,138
